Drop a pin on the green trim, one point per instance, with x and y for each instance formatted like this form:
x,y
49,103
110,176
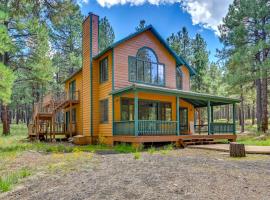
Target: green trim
x,y
175,92
212,114
136,113
234,118
179,59
209,117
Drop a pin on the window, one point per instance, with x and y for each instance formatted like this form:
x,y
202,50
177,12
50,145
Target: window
x,y
148,110
179,78
103,70
145,68
184,119
165,112
127,109
73,115
103,107
72,90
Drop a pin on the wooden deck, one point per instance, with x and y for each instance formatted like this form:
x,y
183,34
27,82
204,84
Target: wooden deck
x,y
181,139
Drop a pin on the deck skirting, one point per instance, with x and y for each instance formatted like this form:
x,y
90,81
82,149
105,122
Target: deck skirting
x,y
171,138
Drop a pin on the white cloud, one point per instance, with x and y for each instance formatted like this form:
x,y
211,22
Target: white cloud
x,y
208,13
81,2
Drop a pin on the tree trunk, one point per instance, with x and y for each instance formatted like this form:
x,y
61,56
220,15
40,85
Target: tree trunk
x,y
258,105
5,116
253,113
242,112
237,150
264,105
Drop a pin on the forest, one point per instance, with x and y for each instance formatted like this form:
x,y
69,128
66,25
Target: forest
x,y
41,46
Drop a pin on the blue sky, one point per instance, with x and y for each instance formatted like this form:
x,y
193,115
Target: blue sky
x,y
167,18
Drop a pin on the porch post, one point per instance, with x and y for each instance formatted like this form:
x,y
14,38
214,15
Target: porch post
x,y
212,114
209,116
136,113
177,115
234,118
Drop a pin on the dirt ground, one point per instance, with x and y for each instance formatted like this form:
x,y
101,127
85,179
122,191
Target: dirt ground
x,y
177,174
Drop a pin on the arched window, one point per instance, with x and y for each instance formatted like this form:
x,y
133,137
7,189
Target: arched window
x,y
145,67
147,54
179,78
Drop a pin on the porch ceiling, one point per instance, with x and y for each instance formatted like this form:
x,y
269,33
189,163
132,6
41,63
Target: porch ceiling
x,y
196,99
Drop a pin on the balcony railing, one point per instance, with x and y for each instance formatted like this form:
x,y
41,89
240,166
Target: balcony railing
x,y
146,127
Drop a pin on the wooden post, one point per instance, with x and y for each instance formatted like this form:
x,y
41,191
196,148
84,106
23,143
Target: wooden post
x,y
212,114
234,118
237,150
70,120
209,116
177,116
136,113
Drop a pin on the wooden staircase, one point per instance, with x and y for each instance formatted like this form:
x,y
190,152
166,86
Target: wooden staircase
x,y
186,142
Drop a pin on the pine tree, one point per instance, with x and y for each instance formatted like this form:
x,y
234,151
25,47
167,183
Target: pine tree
x,y
200,62
106,34
181,43
245,34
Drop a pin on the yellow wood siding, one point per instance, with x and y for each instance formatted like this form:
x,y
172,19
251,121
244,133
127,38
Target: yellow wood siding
x,y
102,91
86,119
78,79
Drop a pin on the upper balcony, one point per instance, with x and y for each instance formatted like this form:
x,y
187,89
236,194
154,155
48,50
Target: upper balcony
x,y
54,102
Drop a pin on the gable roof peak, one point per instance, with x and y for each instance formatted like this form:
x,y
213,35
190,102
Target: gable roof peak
x,y
179,60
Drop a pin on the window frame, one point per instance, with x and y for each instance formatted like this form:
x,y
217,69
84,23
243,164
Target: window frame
x,y
103,76
102,118
158,108
136,71
179,73
72,89
73,115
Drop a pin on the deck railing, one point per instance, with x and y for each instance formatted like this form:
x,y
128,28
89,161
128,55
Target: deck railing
x,y
124,128
146,127
202,128
157,127
221,128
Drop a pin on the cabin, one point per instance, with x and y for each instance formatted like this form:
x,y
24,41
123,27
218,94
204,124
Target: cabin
x,y
135,91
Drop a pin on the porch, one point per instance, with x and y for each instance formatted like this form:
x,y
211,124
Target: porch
x,y
154,114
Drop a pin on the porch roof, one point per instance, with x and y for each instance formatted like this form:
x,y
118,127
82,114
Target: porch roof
x,y
195,98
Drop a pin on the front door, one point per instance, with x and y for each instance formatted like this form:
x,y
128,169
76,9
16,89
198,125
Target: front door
x,y
183,119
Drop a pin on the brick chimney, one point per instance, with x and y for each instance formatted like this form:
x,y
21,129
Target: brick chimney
x,y
90,28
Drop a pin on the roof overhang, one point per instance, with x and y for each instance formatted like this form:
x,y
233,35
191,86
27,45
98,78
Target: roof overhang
x,y
72,75
196,99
